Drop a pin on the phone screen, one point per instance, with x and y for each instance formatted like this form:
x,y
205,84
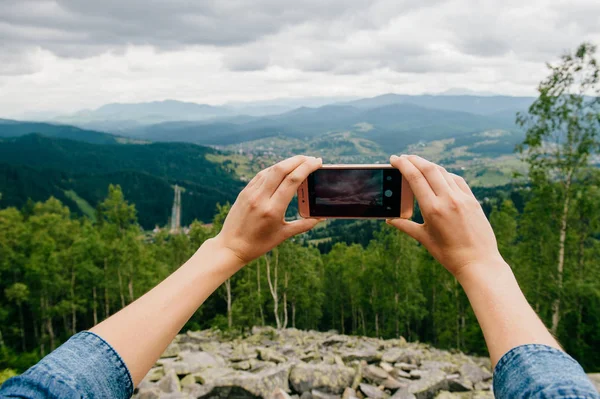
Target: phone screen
x,y
357,192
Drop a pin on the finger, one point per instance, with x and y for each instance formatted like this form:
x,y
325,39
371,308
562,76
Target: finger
x,y
449,179
276,173
289,186
415,230
418,184
300,226
432,173
256,180
462,184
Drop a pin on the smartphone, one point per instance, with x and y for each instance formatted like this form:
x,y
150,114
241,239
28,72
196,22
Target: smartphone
x,y
355,192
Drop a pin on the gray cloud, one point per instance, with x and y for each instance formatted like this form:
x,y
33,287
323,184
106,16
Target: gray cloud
x,y
62,51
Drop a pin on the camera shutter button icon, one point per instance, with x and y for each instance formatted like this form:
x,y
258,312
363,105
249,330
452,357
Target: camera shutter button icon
x,y
388,193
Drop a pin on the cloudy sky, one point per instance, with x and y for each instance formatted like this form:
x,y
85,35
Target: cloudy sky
x,y
65,55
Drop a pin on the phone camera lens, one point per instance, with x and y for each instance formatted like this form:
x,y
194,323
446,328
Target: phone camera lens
x,y
388,193
389,178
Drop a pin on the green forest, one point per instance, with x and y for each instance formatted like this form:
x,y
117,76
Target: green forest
x,y
61,272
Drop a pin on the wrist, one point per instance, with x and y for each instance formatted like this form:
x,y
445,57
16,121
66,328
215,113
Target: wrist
x,y
483,272
218,254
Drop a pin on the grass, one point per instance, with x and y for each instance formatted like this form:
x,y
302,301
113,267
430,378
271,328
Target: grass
x,y
82,204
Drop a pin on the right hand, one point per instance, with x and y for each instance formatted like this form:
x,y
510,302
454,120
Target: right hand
x,y
455,229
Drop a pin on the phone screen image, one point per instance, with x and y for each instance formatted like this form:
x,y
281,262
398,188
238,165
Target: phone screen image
x,y
355,193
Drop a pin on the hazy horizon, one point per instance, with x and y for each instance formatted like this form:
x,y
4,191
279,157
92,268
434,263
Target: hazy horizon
x,y
64,56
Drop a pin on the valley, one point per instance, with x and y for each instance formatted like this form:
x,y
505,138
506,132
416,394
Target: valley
x,y
211,151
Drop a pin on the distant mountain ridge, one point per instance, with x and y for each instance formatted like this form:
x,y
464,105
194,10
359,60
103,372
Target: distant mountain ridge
x,y
386,122
12,128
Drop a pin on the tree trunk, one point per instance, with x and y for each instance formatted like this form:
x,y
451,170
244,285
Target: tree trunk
x,y
377,324
22,326
229,314
561,258
130,288
285,309
73,307
396,311
50,329
260,302
121,288
95,304
342,318
106,300
42,329
273,289
364,325
294,314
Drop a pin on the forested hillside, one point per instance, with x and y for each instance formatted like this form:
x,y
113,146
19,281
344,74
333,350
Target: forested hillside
x,y
10,128
61,274
79,173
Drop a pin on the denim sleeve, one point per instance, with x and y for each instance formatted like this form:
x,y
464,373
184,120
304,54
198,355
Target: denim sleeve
x,y
540,371
85,366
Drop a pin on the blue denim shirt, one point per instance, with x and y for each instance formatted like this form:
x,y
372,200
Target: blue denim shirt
x,y
86,366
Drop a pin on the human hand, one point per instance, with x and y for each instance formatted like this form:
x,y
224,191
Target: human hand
x,y
455,229
255,224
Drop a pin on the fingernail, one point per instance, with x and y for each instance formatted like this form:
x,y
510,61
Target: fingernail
x,y
394,157
320,159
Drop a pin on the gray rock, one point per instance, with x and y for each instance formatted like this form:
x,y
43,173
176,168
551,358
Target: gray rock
x,y
417,374
429,385
375,374
152,393
171,351
457,384
242,384
322,395
306,395
368,355
256,366
280,394
325,378
393,355
210,375
200,360
402,393
155,374
269,355
448,367
372,392
169,383
197,390
393,384
397,373
336,339
187,380
243,365
349,393
487,385
386,366
473,373
405,366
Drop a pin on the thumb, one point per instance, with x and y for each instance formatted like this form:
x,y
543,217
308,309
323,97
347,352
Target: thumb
x,y
415,230
301,226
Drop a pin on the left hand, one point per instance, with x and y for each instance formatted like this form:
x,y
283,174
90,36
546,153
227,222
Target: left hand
x,y
255,224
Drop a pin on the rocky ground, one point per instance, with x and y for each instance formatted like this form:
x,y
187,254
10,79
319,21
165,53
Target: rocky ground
x,y
311,365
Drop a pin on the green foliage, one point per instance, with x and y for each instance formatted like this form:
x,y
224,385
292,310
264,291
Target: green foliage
x,y
6,374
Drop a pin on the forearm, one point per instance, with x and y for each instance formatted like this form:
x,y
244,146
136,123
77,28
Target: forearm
x,y
141,331
505,316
